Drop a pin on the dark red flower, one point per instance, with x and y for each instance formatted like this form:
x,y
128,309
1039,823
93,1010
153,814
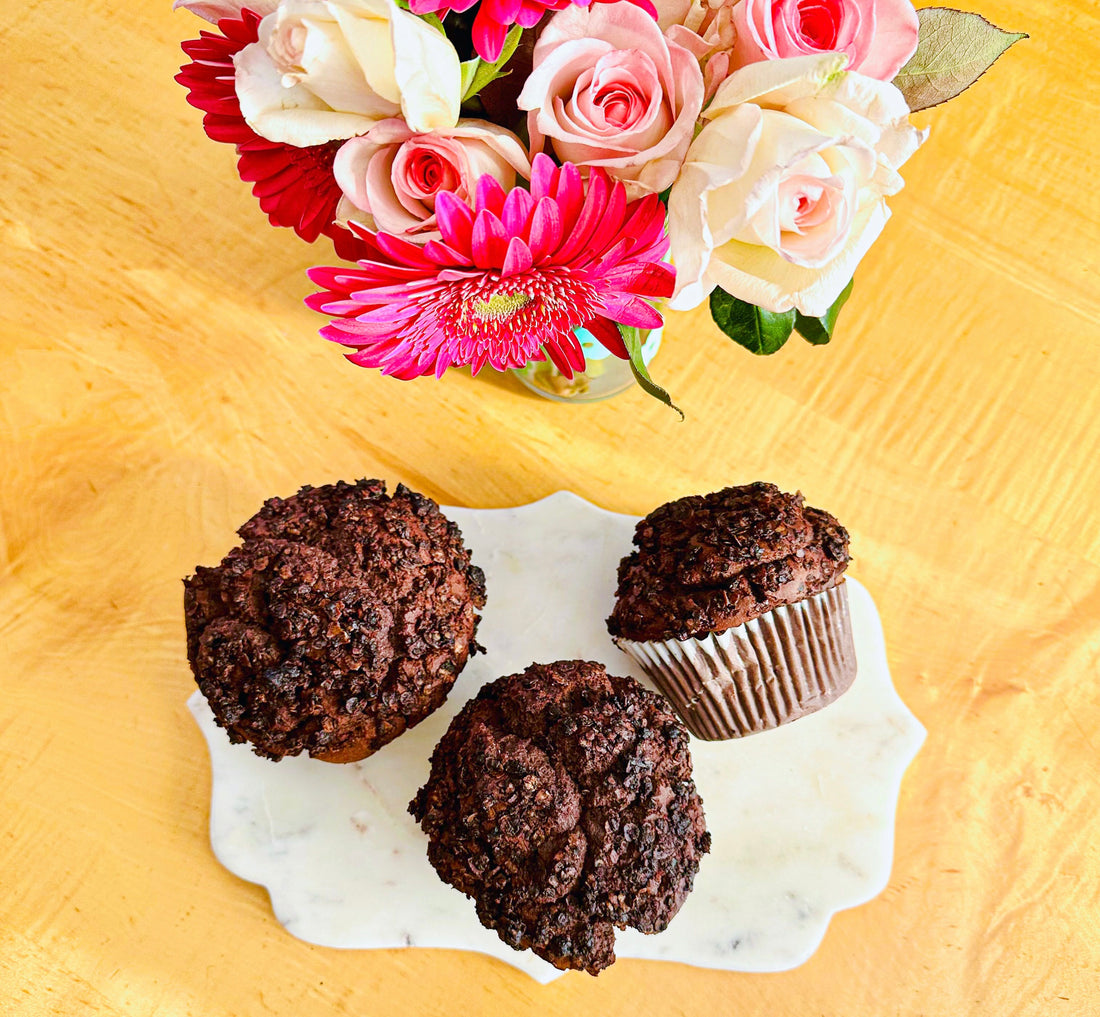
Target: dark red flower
x,y
295,186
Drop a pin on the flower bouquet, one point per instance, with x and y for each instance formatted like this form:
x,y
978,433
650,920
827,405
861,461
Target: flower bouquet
x,y
502,177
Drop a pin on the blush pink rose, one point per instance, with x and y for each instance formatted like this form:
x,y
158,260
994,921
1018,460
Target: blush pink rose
x,y
877,36
609,89
391,175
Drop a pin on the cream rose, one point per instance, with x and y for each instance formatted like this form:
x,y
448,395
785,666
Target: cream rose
x,y
391,175
608,89
784,189
325,70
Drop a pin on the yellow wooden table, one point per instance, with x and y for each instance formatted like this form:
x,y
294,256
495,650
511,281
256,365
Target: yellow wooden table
x,y
161,377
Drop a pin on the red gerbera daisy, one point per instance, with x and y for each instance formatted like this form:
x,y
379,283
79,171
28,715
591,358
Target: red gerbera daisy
x,y
509,281
295,186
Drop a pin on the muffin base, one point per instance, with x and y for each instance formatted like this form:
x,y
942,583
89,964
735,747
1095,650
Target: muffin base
x,y
787,663
349,754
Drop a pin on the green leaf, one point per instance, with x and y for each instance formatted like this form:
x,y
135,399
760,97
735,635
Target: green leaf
x,y
484,72
818,331
468,69
954,49
759,331
632,339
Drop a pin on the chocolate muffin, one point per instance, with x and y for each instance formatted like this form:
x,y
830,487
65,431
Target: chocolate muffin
x,y
734,604
561,801
343,618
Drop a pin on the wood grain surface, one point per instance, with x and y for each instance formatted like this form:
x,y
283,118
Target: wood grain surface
x,y
161,377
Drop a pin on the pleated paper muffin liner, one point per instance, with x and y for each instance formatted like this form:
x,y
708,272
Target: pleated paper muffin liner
x,y
787,663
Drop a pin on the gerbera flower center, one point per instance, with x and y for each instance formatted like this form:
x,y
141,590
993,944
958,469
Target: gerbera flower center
x,y
500,306
518,313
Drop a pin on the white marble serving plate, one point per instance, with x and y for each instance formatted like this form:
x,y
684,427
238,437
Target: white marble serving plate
x,y
802,817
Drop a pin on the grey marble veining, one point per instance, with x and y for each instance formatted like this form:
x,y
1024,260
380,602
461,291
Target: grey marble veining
x,y
802,817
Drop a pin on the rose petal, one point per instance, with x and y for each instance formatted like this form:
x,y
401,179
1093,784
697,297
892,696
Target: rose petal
x,y
895,39
294,116
214,10
427,71
762,277
776,82
609,90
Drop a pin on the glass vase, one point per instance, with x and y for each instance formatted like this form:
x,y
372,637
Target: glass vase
x,y
604,375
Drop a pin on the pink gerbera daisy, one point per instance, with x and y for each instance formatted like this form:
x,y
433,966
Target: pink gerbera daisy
x,y
509,280
295,186
495,17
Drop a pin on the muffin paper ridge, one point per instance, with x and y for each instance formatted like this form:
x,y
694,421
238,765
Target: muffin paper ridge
x,y
780,666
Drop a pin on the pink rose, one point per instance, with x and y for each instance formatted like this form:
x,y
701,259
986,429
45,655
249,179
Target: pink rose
x,y
878,36
391,175
608,89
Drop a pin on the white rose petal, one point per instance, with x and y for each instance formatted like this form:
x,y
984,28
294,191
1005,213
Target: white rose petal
x,y
327,70
427,73
367,26
775,83
294,116
326,63
762,277
782,193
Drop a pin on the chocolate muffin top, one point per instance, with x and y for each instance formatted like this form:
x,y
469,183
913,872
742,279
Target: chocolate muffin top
x,y
706,563
342,619
561,800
